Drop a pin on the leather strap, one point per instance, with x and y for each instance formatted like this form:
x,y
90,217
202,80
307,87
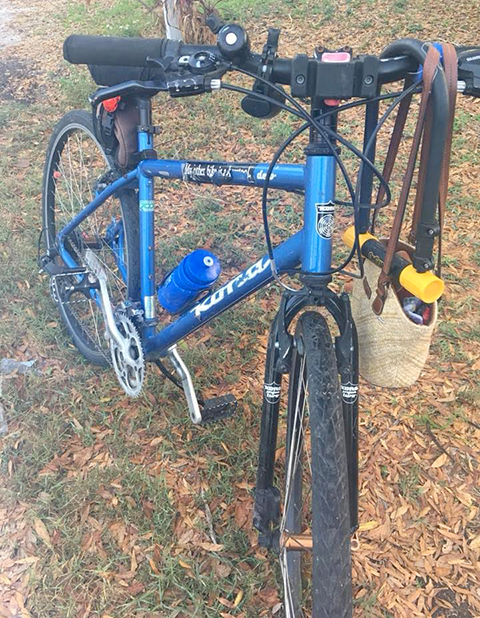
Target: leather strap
x,y
451,75
395,140
429,69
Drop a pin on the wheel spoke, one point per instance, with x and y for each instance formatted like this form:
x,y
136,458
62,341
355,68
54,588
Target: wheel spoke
x,y
297,440
295,449
77,161
73,176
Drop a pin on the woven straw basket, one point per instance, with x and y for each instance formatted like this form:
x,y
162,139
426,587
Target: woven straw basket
x,y
392,349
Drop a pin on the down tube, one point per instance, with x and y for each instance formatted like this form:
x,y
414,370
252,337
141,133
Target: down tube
x,y
287,256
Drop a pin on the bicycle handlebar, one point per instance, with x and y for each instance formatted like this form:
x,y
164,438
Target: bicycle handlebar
x,y
115,59
134,53
112,51
147,66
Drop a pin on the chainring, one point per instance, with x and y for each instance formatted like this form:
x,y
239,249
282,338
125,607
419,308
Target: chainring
x,y
128,359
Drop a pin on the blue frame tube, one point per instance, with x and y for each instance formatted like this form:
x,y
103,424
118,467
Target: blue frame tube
x,y
319,213
286,176
147,237
289,177
287,256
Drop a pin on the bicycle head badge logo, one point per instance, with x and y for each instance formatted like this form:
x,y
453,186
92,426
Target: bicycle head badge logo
x,y
272,392
349,392
325,219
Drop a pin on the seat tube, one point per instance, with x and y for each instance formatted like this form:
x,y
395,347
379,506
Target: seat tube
x,y
146,220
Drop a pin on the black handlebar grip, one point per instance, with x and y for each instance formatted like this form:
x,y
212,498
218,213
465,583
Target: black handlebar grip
x,y
111,51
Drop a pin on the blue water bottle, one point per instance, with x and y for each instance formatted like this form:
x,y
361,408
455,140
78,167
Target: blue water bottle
x,y
196,273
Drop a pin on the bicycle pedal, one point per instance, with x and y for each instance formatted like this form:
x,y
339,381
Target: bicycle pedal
x,y
218,408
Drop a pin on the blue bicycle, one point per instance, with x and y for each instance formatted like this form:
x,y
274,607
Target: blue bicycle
x,y
99,249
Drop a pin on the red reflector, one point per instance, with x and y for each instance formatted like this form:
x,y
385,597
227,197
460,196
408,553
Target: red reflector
x,y
336,56
111,104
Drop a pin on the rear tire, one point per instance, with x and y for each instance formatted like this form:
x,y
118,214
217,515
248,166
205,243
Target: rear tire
x,y
75,169
317,583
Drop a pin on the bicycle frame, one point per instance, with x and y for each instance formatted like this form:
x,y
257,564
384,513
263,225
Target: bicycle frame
x,y
311,247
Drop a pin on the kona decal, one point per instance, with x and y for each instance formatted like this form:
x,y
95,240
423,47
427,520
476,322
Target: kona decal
x,y
272,392
234,284
349,392
325,219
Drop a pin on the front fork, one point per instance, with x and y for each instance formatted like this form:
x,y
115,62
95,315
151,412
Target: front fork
x,y
266,515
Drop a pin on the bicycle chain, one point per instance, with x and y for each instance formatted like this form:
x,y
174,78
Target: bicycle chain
x,y
87,334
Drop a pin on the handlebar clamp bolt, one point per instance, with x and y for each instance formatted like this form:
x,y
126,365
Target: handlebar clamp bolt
x,y
368,80
300,79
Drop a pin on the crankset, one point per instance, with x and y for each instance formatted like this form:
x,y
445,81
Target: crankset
x,y
127,356
125,342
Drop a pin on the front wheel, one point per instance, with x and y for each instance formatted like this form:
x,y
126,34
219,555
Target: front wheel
x,y
315,555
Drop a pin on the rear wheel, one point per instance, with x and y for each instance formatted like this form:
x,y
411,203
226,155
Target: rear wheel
x,y
76,169
315,526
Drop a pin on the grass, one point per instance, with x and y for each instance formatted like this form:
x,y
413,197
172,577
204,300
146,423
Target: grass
x,y
409,483
119,18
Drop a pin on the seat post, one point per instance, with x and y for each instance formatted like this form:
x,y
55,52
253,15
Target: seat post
x,y
145,132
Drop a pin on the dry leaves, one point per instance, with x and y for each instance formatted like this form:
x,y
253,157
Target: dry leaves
x,y
18,559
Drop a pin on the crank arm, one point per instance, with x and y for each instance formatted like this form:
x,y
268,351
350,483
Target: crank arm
x,y
96,268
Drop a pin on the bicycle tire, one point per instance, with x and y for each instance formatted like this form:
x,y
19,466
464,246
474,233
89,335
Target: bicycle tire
x,y
75,156
316,498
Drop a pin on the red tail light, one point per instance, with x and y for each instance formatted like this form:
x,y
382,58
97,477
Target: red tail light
x,y
111,104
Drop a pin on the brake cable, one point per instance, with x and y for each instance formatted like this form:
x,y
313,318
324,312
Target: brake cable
x,y
363,157
324,131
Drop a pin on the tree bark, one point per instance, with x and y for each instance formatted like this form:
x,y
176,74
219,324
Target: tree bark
x,y
172,15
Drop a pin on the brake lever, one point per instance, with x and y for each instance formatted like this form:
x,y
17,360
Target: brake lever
x,y
255,106
126,88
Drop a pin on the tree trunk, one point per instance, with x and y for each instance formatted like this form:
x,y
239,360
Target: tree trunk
x,y
172,15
